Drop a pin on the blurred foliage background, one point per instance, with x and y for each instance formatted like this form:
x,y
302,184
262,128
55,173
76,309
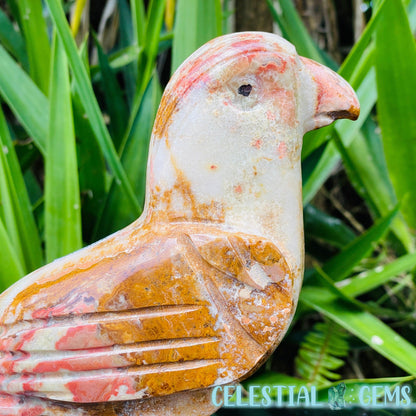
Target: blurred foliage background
x,y
80,84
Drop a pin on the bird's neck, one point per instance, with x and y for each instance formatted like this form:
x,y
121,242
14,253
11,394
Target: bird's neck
x,y
258,194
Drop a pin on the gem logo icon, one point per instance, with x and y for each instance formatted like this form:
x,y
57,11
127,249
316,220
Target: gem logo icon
x,y
336,394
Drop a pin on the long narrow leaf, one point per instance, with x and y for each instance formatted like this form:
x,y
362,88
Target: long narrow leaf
x,y
154,23
62,203
7,212
196,23
138,18
92,172
14,10
12,40
116,106
339,266
11,269
76,17
147,60
355,69
19,220
396,85
38,48
367,281
147,56
324,227
89,101
349,66
297,33
364,325
128,40
116,213
365,166
28,103
370,173
93,176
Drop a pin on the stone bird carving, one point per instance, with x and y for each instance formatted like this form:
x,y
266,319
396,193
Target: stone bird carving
x,y
199,290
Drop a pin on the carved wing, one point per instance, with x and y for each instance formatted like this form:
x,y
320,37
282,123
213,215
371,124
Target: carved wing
x,y
181,313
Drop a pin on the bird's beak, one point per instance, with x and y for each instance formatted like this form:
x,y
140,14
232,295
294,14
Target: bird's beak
x,y
334,98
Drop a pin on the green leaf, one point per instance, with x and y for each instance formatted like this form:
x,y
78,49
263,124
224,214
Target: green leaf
x,y
367,306
11,269
147,59
7,204
62,203
89,101
295,31
323,226
28,103
341,265
37,42
351,62
12,40
395,59
196,23
363,325
148,51
116,106
138,18
18,215
366,168
92,171
369,280
128,40
116,213
118,60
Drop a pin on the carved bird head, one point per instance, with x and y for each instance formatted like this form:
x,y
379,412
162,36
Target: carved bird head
x,y
256,73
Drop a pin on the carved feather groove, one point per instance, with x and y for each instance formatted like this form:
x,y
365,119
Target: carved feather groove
x,y
8,330
83,358
15,333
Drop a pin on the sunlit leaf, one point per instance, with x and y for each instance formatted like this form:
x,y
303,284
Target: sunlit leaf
x,y
116,106
62,203
396,84
89,101
341,265
28,103
11,268
15,205
37,42
196,23
363,325
116,213
371,279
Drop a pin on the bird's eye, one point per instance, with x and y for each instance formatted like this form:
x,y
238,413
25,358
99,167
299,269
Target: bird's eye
x,y
245,90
